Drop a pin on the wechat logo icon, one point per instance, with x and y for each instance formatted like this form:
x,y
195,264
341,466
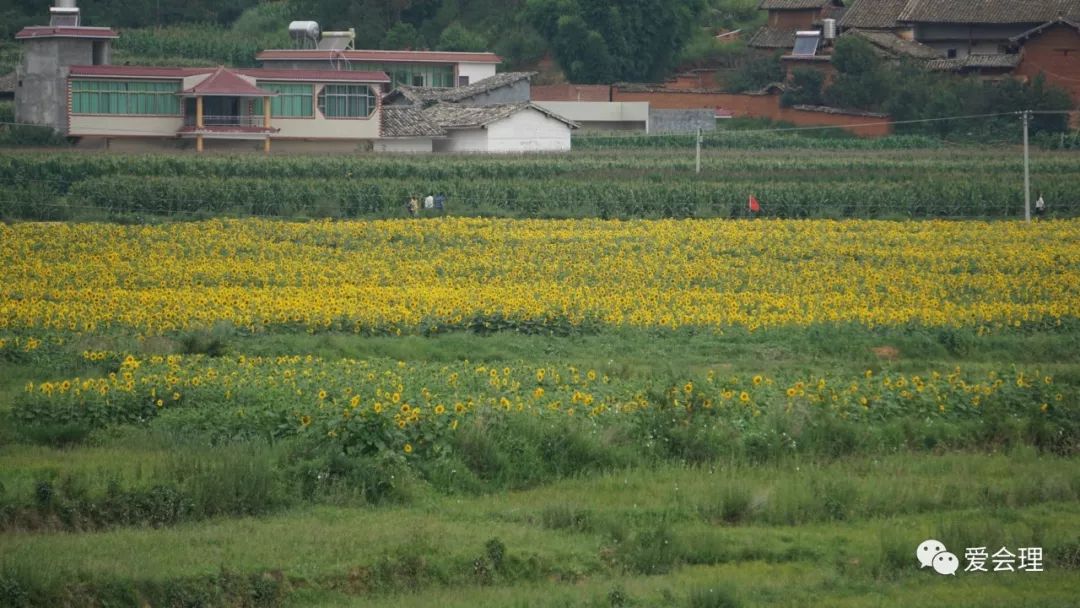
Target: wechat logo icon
x,y
933,554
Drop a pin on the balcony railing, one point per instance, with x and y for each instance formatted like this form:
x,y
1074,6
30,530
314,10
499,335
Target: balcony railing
x,y
226,121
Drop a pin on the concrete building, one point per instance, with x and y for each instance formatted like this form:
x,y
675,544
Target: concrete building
x,y
501,129
603,115
493,115
47,54
405,68
135,107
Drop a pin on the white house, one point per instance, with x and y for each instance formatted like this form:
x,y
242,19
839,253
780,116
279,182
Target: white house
x,y
508,128
411,68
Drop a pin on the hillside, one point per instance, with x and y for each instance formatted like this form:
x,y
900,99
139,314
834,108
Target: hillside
x,y
589,41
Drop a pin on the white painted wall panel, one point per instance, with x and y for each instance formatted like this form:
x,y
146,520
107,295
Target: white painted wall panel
x,y
476,71
529,131
464,140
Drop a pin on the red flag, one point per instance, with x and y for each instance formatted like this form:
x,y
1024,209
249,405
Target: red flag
x,y
754,206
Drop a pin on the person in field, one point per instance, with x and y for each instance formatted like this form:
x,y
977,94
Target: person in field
x,y
1040,207
440,202
429,202
412,206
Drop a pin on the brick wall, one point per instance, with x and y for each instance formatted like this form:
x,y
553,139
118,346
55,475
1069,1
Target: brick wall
x,y
1055,53
571,92
754,106
793,20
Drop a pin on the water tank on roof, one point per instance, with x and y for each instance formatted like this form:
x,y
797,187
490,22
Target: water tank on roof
x,y
828,29
304,32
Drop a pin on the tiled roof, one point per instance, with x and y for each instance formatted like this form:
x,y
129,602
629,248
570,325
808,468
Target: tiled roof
x,y
831,110
791,5
379,56
974,62
894,46
7,82
45,31
138,71
988,11
773,38
1042,28
454,116
873,14
316,75
404,121
429,95
227,82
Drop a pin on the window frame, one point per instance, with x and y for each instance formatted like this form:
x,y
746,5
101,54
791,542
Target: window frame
x,y
115,93
327,90
279,100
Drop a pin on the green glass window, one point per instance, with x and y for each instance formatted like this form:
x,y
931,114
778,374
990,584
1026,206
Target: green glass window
x,y
125,97
413,74
292,101
346,101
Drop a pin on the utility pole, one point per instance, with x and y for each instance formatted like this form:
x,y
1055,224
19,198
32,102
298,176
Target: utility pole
x,y
1027,169
698,169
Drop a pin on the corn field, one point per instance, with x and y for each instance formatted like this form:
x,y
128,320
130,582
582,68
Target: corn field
x,y
641,184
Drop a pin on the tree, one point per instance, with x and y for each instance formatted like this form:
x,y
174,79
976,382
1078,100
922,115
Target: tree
x,y
755,73
457,37
402,36
804,88
598,40
862,80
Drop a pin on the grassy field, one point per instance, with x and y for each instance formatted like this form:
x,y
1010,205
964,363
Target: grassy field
x,y
469,412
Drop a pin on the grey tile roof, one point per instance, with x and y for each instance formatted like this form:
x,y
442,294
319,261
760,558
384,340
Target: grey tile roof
x,y
988,11
789,5
404,121
429,95
888,43
831,110
773,38
455,116
974,62
7,83
873,14
1046,26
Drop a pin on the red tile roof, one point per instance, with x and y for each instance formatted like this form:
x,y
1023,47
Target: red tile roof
x,y
138,71
377,56
227,82
44,31
315,75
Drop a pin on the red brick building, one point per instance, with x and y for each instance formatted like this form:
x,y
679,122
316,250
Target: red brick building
x,y
1053,50
789,16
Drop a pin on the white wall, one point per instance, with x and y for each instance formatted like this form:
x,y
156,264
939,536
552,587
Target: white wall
x,y
476,71
464,140
634,113
410,145
529,131
125,126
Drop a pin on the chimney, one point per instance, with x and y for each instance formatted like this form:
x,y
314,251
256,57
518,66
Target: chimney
x,y
64,14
